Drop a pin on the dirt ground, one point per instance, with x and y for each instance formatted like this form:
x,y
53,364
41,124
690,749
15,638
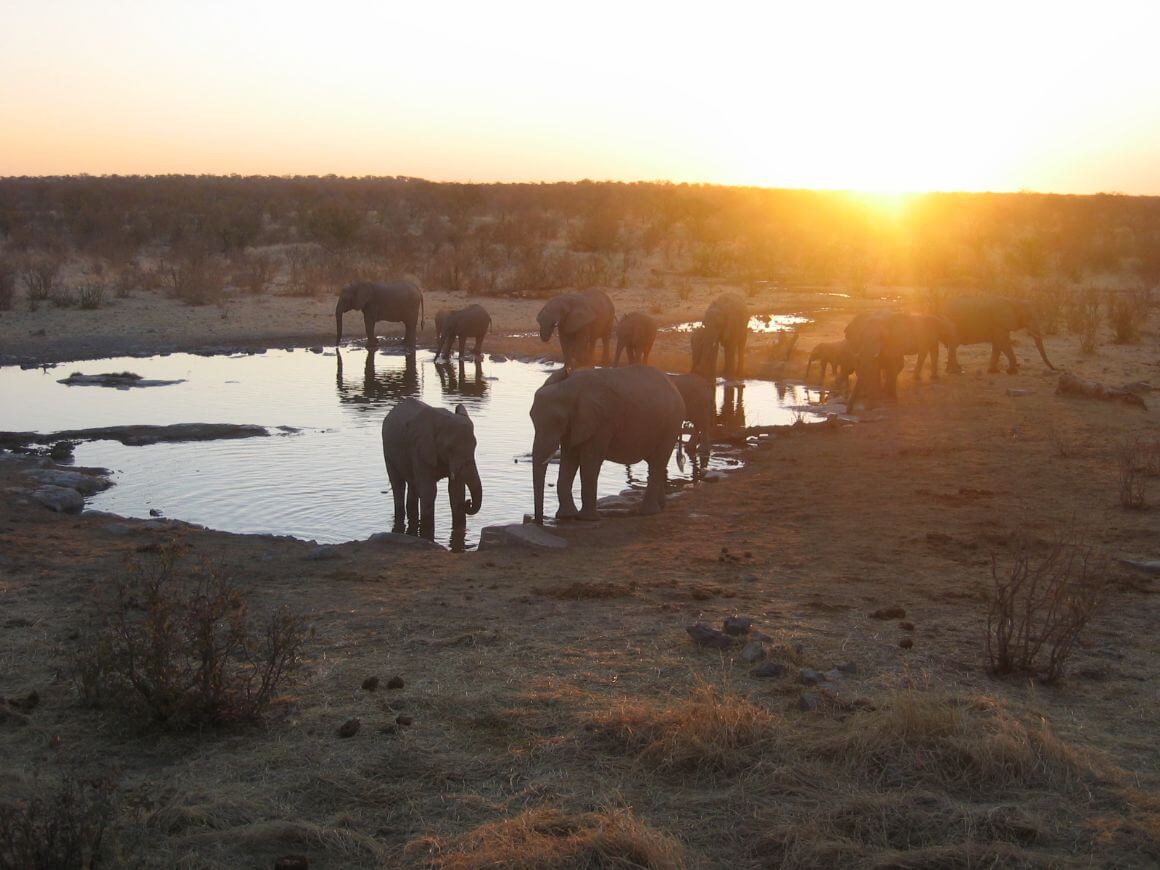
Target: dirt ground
x,y
561,715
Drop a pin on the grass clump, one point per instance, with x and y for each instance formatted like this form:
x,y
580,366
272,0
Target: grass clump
x,y
62,829
179,648
712,733
548,839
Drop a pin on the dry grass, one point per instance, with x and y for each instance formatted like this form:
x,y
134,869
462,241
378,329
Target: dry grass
x,y
1138,461
546,838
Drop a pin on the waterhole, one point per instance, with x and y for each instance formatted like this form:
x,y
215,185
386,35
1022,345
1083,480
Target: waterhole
x,y
326,481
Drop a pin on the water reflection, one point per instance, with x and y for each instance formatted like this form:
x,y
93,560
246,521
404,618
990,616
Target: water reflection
x,y
732,412
388,385
455,382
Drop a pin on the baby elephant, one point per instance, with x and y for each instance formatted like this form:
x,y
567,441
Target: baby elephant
x,y
635,334
699,396
470,322
835,354
421,446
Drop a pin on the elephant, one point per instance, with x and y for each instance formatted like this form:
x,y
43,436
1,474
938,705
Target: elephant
x,y
470,322
979,319
440,318
835,354
699,396
725,325
879,341
421,446
624,415
635,334
394,302
581,319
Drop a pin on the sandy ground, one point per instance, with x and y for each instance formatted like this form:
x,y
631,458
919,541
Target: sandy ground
x,y
516,662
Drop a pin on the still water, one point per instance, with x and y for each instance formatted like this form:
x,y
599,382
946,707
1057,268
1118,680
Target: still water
x,y
326,481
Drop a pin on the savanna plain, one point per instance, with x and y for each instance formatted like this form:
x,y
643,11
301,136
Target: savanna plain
x,y
952,598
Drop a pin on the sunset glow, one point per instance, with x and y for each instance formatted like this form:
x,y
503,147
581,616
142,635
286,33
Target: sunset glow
x,y
880,97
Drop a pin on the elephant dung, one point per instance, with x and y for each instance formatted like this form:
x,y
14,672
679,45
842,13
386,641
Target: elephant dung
x,y
519,535
61,499
709,637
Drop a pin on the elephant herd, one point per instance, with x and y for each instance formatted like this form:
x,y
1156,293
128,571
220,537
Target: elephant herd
x,y
877,342
625,414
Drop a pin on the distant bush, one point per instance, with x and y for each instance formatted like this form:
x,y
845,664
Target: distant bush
x,y
41,274
1138,460
180,648
684,290
1127,312
128,277
193,276
7,284
63,830
1040,604
91,295
257,273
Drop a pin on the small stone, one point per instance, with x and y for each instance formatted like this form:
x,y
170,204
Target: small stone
x,y
754,651
395,682
810,677
349,728
709,637
768,670
403,720
809,702
833,675
761,636
322,553
736,625
292,862
154,512
889,613
906,642
498,358
906,626
370,684
847,667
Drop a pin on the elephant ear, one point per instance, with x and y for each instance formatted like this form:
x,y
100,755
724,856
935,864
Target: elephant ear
x,y
421,431
577,317
594,409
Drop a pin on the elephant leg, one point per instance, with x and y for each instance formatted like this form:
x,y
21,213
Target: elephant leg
x,y
739,354
369,323
1009,352
654,491
569,464
462,345
953,367
590,462
934,362
919,364
604,357
427,493
478,347
616,358
398,494
409,333
994,366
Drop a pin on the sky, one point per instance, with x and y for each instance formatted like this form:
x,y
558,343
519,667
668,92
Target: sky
x,y
880,96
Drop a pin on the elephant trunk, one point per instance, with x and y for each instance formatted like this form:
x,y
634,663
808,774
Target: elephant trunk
x,y
1042,353
539,472
546,330
338,312
469,477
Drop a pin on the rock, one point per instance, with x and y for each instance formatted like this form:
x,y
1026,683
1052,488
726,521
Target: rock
x,y
370,684
906,626
847,668
316,348
1148,566
809,702
498,358
736,625
889,613
395,682
154,512
60,499
403,720
135,436
754,651
118,529
86,484
62,450
833,675
761,636
768,670
906,642
117,380
810,677
349,728
322,553
750,578
519,535
709,637
617,503
292,862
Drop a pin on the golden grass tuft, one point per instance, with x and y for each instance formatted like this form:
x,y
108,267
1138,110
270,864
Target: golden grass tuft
x,y
712,732
546,838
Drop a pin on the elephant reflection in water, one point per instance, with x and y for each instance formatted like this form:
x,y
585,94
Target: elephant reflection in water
x,y
455,382
732,413
388,385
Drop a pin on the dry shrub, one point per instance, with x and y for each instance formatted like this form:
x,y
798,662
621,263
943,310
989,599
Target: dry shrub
x,y
128,278
193,276
959,746
41,274
684,290
1083,319
1127,314
7,284
711,733
62,830
1040,604
1138,460
1066,447
90,296
545,838
257,273
179,648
